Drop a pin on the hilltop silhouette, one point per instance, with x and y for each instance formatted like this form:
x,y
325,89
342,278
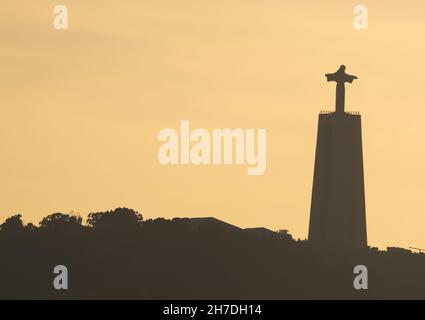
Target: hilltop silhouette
x,y
118,255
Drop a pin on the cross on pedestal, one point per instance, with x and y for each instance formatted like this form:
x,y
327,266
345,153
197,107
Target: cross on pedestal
x,y
340,77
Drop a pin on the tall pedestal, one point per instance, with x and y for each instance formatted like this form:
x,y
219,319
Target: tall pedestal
x,y
338,215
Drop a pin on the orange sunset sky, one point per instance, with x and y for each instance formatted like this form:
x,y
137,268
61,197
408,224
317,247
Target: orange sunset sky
x,y
81,109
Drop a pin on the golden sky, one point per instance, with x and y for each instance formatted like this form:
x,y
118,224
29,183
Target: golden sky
x,y
81,109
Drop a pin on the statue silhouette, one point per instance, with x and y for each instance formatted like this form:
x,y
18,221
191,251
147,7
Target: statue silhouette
x,y
340,77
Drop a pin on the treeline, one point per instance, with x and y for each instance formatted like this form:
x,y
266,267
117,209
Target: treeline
x,y
116,219
119,255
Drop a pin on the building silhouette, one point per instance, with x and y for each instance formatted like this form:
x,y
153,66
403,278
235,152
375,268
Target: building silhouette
x,y
338,215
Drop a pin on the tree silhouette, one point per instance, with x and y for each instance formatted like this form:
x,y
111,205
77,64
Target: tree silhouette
x,y
61,222
120,218
13,224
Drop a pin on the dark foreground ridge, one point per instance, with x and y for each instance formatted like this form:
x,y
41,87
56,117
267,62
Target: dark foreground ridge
x,y
118,255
